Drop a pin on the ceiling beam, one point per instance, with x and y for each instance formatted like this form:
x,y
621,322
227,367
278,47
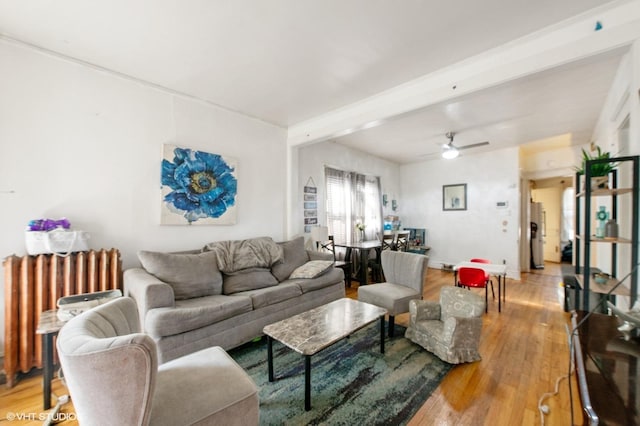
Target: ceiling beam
x,y
568,41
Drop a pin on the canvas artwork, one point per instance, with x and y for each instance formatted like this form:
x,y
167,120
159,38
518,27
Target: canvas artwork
x,y
198,188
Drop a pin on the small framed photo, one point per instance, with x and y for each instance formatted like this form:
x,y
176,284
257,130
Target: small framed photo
x,y
454,197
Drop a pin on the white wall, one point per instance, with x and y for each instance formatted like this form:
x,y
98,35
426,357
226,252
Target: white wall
x,y
552,163
456,236
616,108
314,157
85,144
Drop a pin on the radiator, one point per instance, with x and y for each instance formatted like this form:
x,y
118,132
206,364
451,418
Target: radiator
x,y
33,284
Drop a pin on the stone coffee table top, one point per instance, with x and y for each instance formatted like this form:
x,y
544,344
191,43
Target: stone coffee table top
x,y
311,331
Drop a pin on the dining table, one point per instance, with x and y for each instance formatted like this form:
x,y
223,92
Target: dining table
x,y
498,270
363,248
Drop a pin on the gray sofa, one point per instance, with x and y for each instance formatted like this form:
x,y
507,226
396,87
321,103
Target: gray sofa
x,y
224,294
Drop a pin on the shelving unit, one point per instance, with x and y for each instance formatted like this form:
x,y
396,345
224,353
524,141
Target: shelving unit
x,y
585,238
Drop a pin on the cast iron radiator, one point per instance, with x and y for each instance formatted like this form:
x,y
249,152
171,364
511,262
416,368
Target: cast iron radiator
x,y
33,284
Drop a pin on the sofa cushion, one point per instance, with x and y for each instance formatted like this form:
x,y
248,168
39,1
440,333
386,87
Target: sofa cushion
x,y
272,295
196,313
249,279
311,269
190,275
295,255
327,279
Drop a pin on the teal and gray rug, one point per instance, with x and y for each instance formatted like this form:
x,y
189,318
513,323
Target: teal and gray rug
x,y
351,381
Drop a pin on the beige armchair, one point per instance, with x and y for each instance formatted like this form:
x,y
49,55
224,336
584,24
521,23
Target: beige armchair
x,y
450,328
405,274
112,372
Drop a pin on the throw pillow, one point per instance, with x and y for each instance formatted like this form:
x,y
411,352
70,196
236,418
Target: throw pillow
x,y
190,275
312,269
294,255
249,279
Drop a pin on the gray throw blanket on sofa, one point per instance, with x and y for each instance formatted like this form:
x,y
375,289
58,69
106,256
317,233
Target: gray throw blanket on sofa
x,y
233,256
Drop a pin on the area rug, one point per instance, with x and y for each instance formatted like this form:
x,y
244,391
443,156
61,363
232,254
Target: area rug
x,y
351,381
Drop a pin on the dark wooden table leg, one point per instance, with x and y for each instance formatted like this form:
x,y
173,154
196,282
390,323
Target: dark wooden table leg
x,y
307,382
364,266
499,293
382,334
47,355
504,289
347,258
379,263
270,357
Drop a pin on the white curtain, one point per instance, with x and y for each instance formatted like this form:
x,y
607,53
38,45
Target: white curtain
x,y
568,214
352,198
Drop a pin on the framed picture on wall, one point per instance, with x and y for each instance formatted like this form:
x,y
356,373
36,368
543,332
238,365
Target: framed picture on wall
x,y
454,197
310,205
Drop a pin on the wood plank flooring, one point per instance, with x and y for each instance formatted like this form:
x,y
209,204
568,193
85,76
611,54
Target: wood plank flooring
x,y
524,352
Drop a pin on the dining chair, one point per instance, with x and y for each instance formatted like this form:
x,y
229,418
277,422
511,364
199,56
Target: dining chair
x,y
475,278
485,261
402,240
345,265
388,241
375,264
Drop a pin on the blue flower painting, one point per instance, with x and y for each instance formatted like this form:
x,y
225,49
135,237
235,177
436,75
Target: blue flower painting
x,y
198,187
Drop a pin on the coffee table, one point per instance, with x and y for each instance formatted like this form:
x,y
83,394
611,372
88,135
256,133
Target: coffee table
x,y
312,331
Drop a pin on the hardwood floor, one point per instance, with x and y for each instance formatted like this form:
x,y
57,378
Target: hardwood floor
x,y
524,352
524,349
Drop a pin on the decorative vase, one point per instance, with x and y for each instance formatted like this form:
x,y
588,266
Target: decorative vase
x,y
361,236
602,216
611,229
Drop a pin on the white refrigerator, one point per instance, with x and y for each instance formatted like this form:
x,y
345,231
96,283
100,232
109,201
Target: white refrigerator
x,y
537,237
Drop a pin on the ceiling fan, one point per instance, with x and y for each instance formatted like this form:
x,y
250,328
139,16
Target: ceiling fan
x,y
450,151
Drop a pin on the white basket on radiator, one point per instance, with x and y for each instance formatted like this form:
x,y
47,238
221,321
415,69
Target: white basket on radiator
x,y
59,241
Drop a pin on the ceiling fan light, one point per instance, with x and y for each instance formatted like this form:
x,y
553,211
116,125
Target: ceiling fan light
x,y
450,153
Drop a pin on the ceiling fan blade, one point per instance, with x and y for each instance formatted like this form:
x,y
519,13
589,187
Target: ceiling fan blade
x,y
473,145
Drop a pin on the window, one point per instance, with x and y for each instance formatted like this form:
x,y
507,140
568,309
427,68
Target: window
x,y
352,198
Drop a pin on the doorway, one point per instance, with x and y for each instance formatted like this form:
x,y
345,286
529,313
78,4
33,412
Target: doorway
x,y
557,215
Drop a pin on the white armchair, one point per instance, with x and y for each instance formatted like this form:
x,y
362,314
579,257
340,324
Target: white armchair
x,y
405,274
114,378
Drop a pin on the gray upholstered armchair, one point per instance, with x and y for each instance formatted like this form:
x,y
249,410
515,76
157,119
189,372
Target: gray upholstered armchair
x,y
450,328
405,274
112,372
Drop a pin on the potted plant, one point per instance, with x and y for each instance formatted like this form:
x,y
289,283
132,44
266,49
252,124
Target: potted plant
x,y
599,172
